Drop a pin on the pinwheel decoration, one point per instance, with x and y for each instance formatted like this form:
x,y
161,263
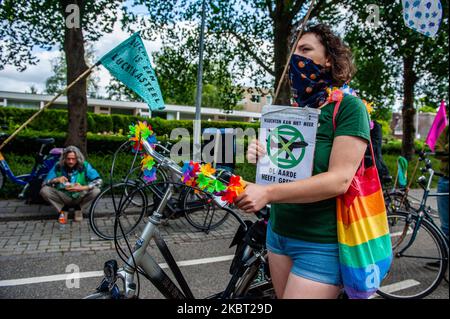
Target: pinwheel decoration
x,y
147,166
199,176
138,133
141,132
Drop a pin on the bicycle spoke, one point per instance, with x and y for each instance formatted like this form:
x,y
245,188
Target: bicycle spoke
x,y
414,254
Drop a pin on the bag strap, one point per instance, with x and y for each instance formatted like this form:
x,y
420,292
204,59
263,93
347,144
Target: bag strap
x,y
336,110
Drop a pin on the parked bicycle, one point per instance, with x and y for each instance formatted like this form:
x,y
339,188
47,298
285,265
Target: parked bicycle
x,y
394,198
249,269
43,162
416,242
199,212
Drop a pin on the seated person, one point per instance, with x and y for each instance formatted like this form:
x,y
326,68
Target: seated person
x,y
71,182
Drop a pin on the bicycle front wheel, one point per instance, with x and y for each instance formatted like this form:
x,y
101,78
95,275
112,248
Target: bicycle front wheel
x,y
127,202
419,258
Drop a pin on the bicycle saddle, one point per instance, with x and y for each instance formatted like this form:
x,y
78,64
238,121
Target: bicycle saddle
x,y
46,141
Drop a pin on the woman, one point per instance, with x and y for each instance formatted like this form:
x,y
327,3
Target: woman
x,y
302,237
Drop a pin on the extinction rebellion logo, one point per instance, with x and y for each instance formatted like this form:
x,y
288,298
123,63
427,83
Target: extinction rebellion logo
x,y
286,146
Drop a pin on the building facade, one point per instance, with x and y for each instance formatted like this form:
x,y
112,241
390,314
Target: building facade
x,y
103,106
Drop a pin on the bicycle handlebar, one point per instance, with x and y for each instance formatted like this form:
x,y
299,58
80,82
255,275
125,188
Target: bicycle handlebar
x,y
439,174
169,163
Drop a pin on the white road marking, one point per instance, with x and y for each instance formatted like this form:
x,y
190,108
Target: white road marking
x,y
409,232
89,274
405,284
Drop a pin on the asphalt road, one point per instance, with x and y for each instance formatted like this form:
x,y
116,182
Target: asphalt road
x,y
205,277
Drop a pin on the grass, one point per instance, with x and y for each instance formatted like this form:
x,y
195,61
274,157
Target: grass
x,y
22,164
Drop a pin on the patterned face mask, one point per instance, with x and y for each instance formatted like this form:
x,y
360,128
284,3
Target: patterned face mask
x,y
309,82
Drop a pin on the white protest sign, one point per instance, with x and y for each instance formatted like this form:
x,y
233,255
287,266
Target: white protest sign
x,y
289,136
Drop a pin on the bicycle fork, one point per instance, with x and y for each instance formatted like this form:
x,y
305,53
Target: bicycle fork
x,y
405,232
152,271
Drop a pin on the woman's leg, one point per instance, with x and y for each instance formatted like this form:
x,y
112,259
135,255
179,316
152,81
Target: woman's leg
x,y
280,266
302,288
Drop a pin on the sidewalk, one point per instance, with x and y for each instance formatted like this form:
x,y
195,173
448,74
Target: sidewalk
x,y
33,229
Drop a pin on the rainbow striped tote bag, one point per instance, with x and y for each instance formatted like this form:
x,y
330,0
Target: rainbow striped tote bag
x,y
365,251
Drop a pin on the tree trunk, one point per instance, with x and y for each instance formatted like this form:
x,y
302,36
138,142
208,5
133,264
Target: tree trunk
x,y
76,96
408,111
282,28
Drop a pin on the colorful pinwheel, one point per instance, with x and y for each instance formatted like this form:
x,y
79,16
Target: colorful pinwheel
x,y
141,132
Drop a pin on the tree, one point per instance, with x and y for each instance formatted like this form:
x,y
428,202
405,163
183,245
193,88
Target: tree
x,y
48,24
416,64
176,69
33,90
253,35
57,82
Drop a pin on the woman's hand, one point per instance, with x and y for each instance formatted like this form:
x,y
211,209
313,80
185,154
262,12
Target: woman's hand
x,y
253,199
255,151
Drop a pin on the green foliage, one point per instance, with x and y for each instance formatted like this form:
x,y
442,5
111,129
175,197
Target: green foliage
x,y
380,53
42,24
176,69
103,123
385,128
53,123
242,35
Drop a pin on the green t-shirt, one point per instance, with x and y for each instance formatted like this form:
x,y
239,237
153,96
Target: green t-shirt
x,y
316,222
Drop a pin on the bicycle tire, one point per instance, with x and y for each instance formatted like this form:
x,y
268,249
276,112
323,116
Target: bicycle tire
x,y
99,295
396,200
405,278
102,221
161,177
202,218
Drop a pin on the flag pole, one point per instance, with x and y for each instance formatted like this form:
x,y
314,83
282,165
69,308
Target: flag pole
x,y
280,82
85,73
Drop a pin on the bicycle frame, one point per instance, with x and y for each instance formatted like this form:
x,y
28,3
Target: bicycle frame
x,y
21,179
141,259
423,214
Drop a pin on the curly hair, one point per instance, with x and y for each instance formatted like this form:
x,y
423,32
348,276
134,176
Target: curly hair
x,y
342,67
78,154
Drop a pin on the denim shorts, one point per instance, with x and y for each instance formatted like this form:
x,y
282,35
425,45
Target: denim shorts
x,y
314,261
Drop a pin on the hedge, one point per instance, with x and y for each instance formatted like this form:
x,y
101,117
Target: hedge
x,y
52,123
25,143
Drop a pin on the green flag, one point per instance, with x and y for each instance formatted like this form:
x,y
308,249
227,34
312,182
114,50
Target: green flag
x,y
402,166
130,64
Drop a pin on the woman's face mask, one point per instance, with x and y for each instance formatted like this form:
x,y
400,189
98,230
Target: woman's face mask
x,y
308,81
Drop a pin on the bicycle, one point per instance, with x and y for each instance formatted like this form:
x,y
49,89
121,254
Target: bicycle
x,y
250,276
199,213
416,240
43,163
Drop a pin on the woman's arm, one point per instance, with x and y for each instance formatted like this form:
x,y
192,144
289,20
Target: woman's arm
x,y
346,155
